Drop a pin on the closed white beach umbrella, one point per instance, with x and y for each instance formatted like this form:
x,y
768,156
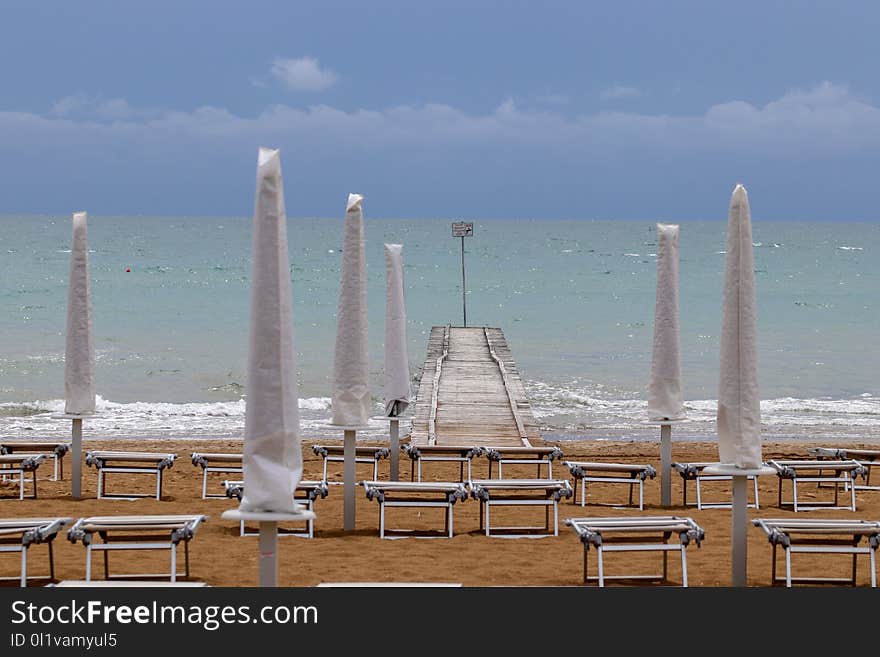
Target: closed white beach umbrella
x,y
79,354
351,391
665,398
272,459
397,390
739,404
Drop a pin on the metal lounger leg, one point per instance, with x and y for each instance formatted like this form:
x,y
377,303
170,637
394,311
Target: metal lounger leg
x,y
684,566
158,484
381,519
21,484
487,505
205,483
699,493
794,492
583,491
788,567
873,554
449,519
641,494
24,566
420,470
173,562
55,469
851,480
555,518
601,567
375,469
100,481
89,562
755,482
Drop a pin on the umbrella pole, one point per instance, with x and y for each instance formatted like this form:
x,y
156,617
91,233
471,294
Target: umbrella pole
x,y
348,472
268,565
665,465
76,433
394,434
738,530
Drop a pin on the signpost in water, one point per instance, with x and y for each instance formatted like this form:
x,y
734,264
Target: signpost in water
x,y
463,229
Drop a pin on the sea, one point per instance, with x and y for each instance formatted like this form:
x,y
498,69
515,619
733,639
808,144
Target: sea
x,y
574,298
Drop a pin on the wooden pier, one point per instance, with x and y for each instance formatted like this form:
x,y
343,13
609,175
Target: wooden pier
x,y
471,392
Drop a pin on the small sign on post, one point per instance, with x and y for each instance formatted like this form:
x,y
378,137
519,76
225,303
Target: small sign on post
x,y
463,229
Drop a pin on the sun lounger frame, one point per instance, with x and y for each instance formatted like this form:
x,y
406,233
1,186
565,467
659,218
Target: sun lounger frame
x,y
520,492
627,534
823,536
216,462
539,456
17,465
306,491
800,471
397,494
18,534
137,533
869,458
461,454
129,463
694,472
58,450
363,454
637,473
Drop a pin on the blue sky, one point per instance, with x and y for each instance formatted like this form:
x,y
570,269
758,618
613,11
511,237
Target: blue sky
x,y
630,110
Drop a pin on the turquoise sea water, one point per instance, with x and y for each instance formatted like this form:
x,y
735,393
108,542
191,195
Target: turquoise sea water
x,y
574,298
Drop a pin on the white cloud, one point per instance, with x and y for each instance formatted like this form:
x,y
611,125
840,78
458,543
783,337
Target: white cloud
x,y
619,91
826,119
82,105
303,74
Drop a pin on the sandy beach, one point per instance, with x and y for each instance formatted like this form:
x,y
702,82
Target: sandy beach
x,y
220,557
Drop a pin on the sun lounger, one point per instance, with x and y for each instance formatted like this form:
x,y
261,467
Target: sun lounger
x,y
214,462
306,491
362,454
629,474
635,534
870,458
57,450
461,454
18,534
421,494
539,456
822,536
16,465
137,533
520,492
694,472
129,463
818,472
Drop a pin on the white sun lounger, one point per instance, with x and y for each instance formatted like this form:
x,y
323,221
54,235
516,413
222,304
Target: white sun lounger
x,y
147,532
461,454
823,536
520,492
129,463
422,494
539,456
362,454
870,458
216,462
306,491
57,450
629,474
17,465
694,472
818,472
18,534
634,534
